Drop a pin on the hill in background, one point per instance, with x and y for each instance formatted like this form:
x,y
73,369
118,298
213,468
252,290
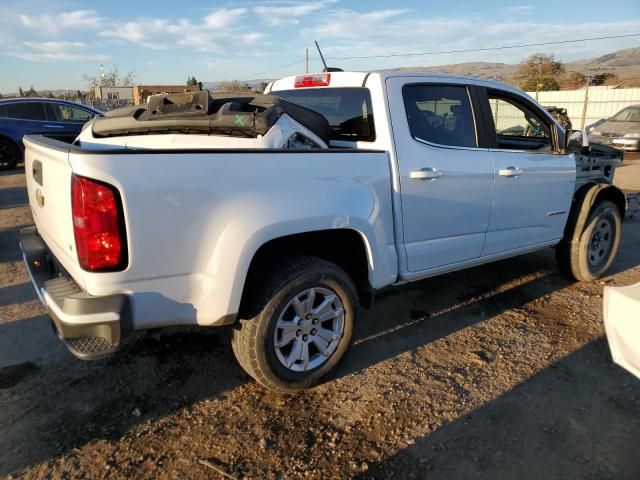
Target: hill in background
x,y
625,64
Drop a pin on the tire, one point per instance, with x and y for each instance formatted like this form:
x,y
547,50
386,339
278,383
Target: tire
x,y
277,320
9,154
591,256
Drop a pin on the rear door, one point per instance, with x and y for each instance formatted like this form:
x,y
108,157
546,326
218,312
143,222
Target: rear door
x,y
534,182
28,117
67,119
446,181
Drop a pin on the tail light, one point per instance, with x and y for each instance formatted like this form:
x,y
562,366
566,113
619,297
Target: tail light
x,y
317,80
98,225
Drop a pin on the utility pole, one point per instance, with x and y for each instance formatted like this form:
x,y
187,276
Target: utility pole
x,y
306,60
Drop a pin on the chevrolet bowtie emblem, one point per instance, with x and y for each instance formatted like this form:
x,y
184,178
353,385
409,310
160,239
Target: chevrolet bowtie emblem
x,y
39,197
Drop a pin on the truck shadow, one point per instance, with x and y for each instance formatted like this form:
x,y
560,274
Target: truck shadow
x,y
407,317
53,403
577,412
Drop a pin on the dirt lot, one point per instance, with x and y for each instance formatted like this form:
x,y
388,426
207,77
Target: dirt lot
x,y
500,371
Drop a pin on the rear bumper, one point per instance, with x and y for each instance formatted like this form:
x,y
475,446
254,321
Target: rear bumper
x,y
91,327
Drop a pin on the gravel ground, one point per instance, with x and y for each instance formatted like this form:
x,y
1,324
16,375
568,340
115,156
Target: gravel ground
x,y
500,371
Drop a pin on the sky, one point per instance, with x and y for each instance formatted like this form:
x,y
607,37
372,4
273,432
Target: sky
x,y
50,44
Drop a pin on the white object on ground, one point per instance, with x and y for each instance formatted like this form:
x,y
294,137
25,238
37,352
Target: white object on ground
x,y
622,324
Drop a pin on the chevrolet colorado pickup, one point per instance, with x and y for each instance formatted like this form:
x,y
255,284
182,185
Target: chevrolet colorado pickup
x,y
192,211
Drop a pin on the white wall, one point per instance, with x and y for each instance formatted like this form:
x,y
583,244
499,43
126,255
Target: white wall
x,y
585,107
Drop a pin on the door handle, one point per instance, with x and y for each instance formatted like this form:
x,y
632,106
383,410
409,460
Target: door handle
x,y
425,174
510,172
54,126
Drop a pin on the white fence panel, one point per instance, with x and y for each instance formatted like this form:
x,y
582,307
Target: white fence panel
x,y
586,106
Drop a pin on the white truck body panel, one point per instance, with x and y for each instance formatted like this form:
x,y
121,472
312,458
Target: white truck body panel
x,y
206,228
622,325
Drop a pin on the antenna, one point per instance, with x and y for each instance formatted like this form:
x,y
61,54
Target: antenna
x,y
326,69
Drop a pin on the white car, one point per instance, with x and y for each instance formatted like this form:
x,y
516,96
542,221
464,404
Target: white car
x,y
191,211
622,324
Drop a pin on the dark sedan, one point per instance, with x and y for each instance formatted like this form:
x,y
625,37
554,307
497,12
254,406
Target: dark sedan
x,y
22,116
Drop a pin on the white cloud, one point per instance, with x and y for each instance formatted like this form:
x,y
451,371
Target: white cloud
x,y
224,17
289,13
48,51
519,9
53,24
219,29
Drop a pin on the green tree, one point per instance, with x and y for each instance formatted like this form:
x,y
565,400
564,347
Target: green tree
x,y
20,91
540,71
540,84
50,95
191,81
31,92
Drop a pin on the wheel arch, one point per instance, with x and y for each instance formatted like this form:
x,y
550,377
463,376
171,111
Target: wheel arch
x,y
347,248
584,199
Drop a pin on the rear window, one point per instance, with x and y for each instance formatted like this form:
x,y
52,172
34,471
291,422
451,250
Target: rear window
x,y
26,111
348,110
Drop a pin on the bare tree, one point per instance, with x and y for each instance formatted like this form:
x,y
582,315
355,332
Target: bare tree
x,y
111,78
233,87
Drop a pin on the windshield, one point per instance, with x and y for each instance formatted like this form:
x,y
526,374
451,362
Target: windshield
x,y
348,110
629,114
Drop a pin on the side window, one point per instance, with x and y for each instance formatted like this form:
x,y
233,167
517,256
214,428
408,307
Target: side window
x,y
440,114
518,126
66,113
26,111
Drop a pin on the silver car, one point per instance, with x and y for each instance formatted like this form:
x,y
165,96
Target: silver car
x,y
620,131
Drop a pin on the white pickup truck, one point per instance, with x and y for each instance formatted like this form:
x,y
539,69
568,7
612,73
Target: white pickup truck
x,y
182,213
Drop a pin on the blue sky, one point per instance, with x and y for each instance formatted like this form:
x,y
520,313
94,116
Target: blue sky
x,y
50,44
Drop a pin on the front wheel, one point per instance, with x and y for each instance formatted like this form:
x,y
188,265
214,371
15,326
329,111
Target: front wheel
x,y
9,155
304,316
591,256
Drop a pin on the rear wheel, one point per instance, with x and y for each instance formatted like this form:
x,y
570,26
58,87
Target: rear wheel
x,y
9,154
304,317
591,256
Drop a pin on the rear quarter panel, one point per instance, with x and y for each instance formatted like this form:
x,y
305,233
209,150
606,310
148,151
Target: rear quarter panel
x,y
195,220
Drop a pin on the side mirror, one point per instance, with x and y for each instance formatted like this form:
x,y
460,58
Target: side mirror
x,y
577,141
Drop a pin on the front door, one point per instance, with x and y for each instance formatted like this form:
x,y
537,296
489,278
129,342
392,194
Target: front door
x,y
446,181
533,182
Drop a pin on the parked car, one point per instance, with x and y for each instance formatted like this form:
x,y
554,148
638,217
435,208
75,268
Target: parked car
x,y
153,219
622,323
22,116
620,131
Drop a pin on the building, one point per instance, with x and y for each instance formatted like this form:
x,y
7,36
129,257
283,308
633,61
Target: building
x,y
116,94
142,92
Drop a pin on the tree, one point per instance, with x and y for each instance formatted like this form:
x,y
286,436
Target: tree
x,y
541,72
606,78
233,87
21,92
111,78
31,92
540,84
78,94
575,80
191,81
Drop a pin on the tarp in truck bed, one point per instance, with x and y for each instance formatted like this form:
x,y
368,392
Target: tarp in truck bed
x,y
250,115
